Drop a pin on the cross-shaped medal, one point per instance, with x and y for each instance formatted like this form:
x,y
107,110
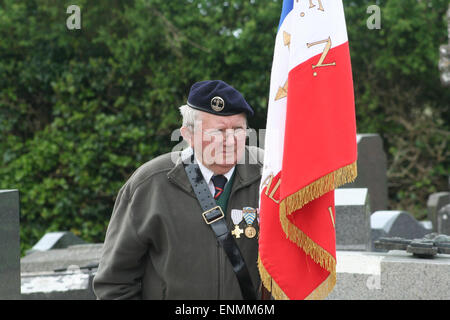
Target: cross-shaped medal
x,y
237,231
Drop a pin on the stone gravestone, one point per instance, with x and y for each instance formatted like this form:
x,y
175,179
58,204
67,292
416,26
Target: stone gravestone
x,y
56,240
352,219
435,202
80,255
393,275
443,220
372,164
9,245
61,274
391,223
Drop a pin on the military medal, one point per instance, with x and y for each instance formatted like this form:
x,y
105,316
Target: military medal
x,y
236,216
249,217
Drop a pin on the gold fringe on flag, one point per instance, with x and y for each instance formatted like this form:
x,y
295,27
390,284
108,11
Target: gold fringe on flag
x,y
320,293
269,283
312,249
324,289
319,255
297,200
318,188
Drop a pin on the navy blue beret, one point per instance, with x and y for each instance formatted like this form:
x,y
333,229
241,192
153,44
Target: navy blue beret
x,y
217,97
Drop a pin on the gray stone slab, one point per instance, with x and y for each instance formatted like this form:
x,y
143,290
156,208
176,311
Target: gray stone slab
x,y
406,277
443,220
45,261
358,276
435,202
395,275
9,244
70,285
77,266
372,166
352,219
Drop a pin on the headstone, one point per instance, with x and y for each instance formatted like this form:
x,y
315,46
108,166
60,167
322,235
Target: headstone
x,y
395,275
9,245
406,277
57,259
358,276
443,220
69,285
61,274
372,166
435,202
56,240
391,223
352,219
426,224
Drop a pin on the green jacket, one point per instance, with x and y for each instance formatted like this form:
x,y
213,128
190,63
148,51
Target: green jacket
x,y
158,246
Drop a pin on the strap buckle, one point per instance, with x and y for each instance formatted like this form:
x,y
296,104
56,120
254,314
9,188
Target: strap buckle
x,y
215,217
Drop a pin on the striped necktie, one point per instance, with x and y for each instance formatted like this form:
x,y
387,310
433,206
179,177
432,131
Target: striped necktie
x,y
219,182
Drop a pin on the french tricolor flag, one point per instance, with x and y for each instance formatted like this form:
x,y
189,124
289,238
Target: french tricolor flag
x,y
310,149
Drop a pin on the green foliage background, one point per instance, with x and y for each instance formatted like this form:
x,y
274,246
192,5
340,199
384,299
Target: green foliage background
x,y
80,110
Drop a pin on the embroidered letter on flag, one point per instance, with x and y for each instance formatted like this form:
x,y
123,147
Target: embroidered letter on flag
x,y
310,149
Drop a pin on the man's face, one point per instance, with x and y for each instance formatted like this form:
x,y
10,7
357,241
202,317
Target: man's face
x,y
219,141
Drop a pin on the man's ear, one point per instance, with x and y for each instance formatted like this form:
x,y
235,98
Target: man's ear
x,y
187,135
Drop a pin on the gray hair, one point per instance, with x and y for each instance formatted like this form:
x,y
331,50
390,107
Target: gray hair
x,y
190,115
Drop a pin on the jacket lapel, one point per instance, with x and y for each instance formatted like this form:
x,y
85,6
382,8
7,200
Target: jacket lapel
x,y
178,176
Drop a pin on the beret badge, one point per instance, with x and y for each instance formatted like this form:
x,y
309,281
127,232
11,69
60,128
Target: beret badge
x,y
217,104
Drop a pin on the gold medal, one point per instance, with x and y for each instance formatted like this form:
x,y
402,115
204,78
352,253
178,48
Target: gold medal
x,y
237,231
249,216
250,232
236,216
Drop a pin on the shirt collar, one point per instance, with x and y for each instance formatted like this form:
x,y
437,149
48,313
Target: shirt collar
x,y
245,174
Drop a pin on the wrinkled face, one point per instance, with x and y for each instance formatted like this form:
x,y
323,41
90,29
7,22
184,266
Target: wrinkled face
x,y
218,141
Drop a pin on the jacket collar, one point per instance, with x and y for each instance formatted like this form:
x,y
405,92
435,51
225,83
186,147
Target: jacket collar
x,y
246,174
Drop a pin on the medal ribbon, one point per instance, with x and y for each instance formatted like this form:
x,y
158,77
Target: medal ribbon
x,y
236,216
249,215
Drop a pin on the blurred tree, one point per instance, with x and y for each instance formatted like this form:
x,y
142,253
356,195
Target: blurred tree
x,y
399,95
80,110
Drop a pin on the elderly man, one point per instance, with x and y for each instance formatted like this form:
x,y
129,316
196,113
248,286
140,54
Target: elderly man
x,y
185,225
